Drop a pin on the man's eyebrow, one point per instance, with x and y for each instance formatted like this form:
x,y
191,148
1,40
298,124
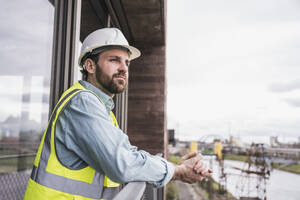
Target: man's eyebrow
x,y
118,57
114,56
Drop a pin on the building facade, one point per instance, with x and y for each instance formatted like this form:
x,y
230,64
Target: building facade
x,y
40,46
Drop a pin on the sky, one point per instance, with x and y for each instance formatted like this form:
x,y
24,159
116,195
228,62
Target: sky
x,y
233,68
26,29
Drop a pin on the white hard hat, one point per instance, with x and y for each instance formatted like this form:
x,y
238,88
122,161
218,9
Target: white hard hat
x,y
106,37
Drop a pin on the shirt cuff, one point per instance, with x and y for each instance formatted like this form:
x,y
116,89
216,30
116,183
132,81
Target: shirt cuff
x,y
170,168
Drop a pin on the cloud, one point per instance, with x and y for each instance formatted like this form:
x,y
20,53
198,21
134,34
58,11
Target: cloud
x,y
222,65
285,87
293,102
26,38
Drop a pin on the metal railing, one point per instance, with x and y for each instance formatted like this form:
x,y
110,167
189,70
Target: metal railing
x,y
132,191
140,191
13,183
14,174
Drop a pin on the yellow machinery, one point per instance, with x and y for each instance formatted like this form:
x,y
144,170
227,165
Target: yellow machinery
x,y
218,149
194,146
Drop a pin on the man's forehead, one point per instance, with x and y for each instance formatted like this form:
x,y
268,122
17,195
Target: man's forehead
x,y
115,53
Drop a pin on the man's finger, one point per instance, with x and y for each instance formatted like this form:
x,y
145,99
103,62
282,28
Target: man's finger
x,y
202,170
198,165
206,173
187,156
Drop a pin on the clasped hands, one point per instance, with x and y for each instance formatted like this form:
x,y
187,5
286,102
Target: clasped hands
x,y
191,169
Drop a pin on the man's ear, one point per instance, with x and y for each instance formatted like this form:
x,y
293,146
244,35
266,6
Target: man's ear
x,y
90,66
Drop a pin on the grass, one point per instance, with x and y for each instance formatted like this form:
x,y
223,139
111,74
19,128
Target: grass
x,y
293,168
172,191
276,165
216,191
174,159
207,151
236,157
11,164
290,168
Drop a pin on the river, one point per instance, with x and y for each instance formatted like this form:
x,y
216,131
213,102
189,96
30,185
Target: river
x,y
280,185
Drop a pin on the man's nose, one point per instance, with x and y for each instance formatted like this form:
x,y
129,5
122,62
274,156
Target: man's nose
x,y
123,67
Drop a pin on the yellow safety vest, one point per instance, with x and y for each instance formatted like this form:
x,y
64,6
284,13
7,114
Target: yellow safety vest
x,y
50,180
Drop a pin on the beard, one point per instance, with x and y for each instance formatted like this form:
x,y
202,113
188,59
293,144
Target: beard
x,y
111,84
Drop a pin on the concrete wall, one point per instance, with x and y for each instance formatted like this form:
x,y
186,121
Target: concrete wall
x,y
146,100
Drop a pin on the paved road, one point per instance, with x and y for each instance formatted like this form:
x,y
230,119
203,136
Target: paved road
x,y
187,191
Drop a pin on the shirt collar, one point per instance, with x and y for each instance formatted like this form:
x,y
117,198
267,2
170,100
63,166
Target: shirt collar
x,y
107,100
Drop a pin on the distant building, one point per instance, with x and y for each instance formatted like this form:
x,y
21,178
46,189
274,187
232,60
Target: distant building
x,y
274,141
235,141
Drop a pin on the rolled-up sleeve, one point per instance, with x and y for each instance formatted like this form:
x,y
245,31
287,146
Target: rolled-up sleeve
x,y
90,133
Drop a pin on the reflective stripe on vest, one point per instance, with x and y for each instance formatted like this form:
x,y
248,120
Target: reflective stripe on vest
x,y
50,176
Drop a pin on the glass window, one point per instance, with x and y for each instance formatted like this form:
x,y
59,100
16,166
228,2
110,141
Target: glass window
x,y
26,44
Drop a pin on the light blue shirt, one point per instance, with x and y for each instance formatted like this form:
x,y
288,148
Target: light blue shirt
x,y
85,136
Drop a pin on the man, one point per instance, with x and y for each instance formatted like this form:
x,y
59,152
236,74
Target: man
x,y
83,154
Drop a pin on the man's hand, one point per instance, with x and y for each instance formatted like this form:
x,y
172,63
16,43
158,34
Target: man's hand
x,y
199,167
191,169
187,156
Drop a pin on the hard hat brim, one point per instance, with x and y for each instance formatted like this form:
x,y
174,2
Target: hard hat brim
x,y
134,52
